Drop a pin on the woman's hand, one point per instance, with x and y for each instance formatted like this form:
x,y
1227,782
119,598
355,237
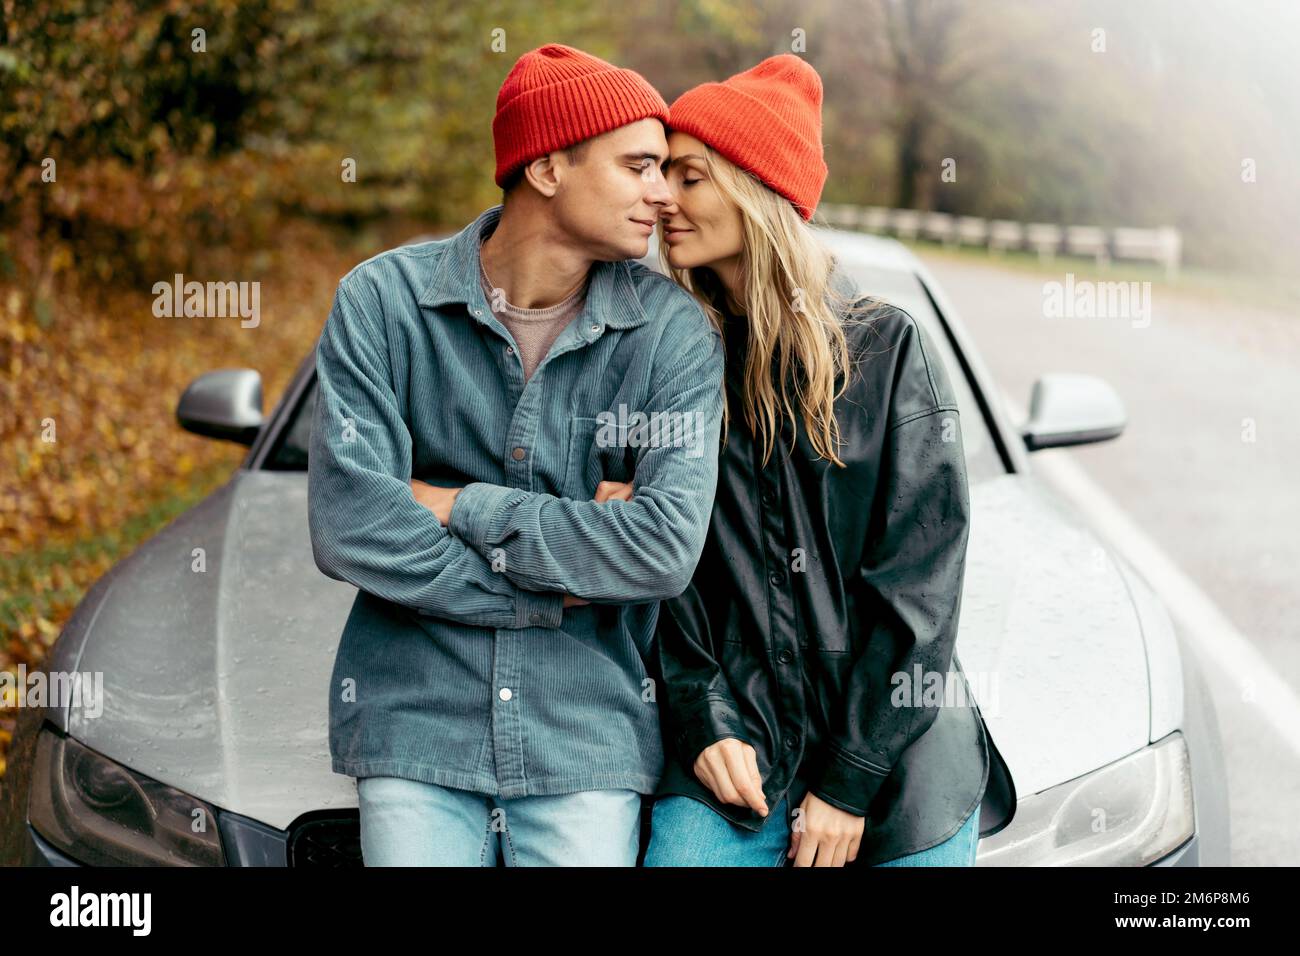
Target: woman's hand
x,y
825,833
730,769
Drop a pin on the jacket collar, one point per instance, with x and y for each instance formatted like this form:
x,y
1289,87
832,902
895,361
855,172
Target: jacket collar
x,y
611,295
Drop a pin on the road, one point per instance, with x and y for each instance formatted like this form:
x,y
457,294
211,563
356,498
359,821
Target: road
x,y
1207,470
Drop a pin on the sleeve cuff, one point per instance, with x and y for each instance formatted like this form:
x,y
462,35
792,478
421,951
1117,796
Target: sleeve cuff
x,y
849,782
538,608
473,508
705,723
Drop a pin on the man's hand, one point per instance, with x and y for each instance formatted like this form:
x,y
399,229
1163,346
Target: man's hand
x,y
438,500
824,833
609,490
605,491
730,769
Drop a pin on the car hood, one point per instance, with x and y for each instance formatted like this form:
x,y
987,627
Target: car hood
x,y
216,642
1055,636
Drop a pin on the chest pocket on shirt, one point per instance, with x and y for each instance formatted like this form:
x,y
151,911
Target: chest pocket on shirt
x,y
595,455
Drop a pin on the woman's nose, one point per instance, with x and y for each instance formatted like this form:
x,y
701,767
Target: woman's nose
x,y
669,206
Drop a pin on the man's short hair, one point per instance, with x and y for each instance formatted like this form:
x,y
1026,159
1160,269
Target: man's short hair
x,y
575,154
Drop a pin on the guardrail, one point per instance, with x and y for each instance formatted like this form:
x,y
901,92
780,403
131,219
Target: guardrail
x,y
1163,245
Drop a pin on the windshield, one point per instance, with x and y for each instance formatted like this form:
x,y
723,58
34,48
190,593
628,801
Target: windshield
x,y
904,289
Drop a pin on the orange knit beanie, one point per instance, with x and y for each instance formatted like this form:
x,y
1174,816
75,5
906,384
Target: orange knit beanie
x,y
768,121
556,96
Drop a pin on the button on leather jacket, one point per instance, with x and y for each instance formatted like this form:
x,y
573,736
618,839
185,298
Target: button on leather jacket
x,y
821,621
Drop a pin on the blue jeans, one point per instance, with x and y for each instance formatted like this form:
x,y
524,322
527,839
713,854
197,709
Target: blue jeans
x,y
686,832
409,823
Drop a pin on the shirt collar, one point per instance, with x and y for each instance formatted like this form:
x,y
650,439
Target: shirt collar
x,y
611,295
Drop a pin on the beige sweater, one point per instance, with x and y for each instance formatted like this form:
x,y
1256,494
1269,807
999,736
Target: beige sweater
x,y
534,330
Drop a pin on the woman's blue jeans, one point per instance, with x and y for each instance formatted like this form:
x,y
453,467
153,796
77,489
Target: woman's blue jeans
x,y
687,832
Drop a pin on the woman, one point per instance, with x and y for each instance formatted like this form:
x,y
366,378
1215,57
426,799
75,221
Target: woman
x,y
830,584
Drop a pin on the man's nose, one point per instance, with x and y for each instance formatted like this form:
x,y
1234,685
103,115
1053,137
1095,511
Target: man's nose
x,y
657,191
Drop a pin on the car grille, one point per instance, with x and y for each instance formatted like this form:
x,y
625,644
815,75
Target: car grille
x,y
330,842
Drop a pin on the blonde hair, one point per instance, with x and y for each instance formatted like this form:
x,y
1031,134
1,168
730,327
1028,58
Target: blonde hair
x,y
796,318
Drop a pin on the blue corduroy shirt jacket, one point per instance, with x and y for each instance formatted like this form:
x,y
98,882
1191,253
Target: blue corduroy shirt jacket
x,y
458,664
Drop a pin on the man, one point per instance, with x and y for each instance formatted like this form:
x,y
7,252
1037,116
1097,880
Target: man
x,y
490,690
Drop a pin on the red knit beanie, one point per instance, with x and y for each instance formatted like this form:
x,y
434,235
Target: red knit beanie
x,y
556,96
768,121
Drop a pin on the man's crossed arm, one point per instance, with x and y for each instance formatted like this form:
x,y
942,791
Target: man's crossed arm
x,y
368,527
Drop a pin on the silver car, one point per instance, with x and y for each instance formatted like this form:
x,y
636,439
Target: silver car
x,y
215,642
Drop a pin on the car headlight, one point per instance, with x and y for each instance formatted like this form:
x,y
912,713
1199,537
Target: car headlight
x,y
1132,812
103,814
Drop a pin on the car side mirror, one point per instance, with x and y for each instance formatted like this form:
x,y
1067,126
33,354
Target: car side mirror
x,y
1069,409
223,404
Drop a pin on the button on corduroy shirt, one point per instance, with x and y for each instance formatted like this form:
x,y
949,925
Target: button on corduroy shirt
x,y
458,664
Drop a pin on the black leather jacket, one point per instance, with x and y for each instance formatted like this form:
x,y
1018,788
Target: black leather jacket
x,y
816,586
